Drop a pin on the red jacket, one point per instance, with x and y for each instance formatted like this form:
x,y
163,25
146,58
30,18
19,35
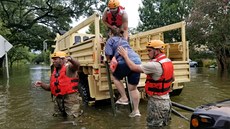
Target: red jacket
x,y
117,20
60,84
162,85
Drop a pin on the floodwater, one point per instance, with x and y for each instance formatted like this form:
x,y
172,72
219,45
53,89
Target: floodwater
x,y
23,106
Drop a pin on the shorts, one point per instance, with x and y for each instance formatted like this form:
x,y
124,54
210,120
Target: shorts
x,y
123,70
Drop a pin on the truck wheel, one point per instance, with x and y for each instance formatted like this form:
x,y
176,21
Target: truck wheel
x,y
83,88
83,93
176,92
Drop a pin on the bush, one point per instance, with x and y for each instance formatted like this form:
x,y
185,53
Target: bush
x,y
44,57
208,62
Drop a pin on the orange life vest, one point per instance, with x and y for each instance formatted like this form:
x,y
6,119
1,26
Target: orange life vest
x,y
60,84
115,20
162,85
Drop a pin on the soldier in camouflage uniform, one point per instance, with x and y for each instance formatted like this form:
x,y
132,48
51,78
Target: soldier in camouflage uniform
x,y
63,85
159,78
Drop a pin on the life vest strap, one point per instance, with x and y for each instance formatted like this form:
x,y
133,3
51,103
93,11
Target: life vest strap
x,y
159,81
74,80
74,88
158,90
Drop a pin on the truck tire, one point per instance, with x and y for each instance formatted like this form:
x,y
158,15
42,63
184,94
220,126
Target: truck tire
x,y
83,88
176,92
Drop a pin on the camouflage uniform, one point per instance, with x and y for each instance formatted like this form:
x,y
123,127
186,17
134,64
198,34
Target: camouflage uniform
x,y
71,107
159,107
159,111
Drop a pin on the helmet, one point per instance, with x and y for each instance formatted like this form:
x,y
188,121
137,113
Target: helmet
x,y
113,3
157,44
58,54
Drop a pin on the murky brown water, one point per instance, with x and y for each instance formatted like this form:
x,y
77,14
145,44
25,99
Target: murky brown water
x,y
23,106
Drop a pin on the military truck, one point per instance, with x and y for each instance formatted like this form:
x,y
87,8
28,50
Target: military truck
x,y
93,75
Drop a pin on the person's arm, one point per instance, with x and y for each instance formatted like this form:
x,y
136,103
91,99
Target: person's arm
x,y
75,63
132,66
125,25
43,85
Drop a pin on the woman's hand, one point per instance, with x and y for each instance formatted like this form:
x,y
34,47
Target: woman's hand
x,y
123,52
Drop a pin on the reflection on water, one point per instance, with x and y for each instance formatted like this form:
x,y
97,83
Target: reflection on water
x,y
3,101
23,106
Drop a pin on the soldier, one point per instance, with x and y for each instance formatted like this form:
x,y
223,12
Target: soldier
x,y
159,78
115,17
63,85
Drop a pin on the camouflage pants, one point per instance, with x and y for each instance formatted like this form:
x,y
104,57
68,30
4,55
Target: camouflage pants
x,y
159,112
68,105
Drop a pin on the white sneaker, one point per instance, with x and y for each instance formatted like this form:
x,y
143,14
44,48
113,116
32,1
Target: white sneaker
x,y
122,102
135,114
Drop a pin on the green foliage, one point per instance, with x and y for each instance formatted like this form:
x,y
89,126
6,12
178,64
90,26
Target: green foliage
x,y
158,13
103,29
18,54
31,22
3,31
28,23
41,58
208,63
208,25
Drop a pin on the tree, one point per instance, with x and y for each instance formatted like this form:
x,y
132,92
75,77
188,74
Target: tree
x,y
103,29
18,54
3,31
209,25
158,13
26,16
30,22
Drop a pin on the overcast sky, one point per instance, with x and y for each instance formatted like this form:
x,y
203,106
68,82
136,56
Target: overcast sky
x,y
131,6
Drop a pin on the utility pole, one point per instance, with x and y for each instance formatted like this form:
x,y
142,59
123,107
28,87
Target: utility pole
x,y
45,45
44,49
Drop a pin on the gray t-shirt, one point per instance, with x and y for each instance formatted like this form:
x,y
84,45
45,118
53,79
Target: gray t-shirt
x,y
152,68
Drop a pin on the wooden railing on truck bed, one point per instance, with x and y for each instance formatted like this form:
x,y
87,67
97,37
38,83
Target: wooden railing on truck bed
x,y
176,51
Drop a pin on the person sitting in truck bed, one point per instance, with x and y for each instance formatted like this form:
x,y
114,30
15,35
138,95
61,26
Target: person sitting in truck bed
x,y
160,75
111,45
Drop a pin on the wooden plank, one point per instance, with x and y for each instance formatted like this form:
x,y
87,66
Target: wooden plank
x,y
184,42
182,72
159,30
181,66
81,25
89,47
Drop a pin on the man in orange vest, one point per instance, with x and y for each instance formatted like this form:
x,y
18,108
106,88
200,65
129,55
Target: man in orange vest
x,y
116,18
63,85
159,78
